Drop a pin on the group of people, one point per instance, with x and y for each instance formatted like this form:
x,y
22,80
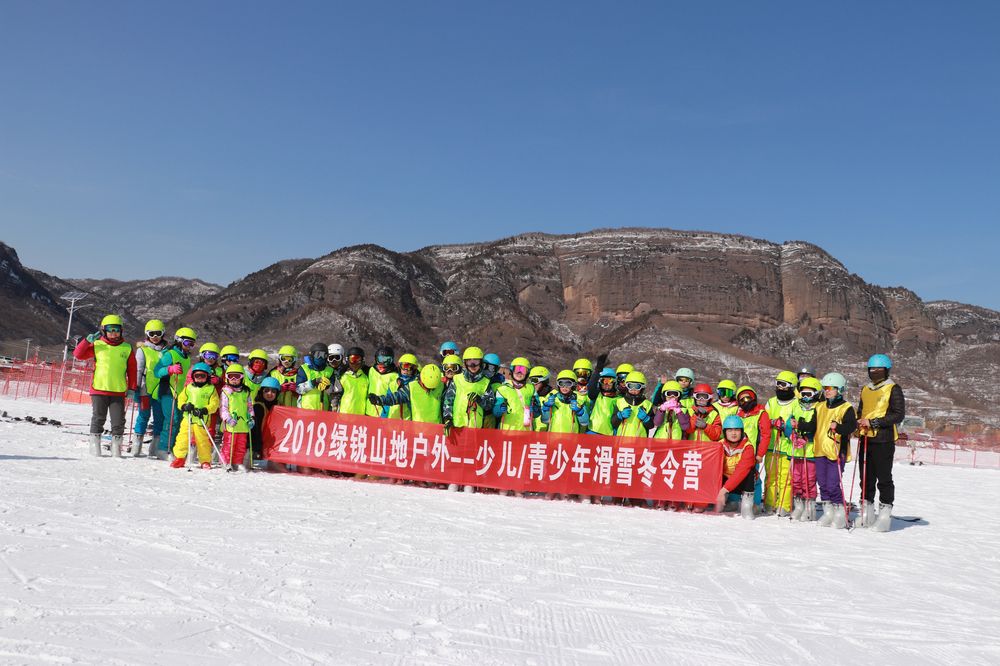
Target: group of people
x,y
777,450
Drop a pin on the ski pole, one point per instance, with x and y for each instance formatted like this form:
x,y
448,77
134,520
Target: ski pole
x,y
840,477
212,440
864,482
131,425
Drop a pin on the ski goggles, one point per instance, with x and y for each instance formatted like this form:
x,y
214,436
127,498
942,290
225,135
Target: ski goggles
x,y
448,352
231,358
621,376
473,363
333,358
452,367
672,394
634,386
112,328
187,342
257,363
199,376
407,368
355,358
807,394
583,373
725,392
237,376
784,386
287,359
703,396
565,383
383,359
536,379
154,334
519,368
210,356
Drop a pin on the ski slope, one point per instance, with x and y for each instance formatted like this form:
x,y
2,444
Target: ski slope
x,y
106,561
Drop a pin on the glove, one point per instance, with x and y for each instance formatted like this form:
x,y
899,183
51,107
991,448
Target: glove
x,y
323,384
699,423
374,399
215,379
448,423
288,386
231,422
94,337
642,414
474,399
551,400
672,404
500,406
130,395
175,369
187,408
200,411
778,423
624,414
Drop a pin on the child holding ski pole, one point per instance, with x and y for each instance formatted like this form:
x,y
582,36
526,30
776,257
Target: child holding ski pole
x,y
835,421
801,429
198,401
236,413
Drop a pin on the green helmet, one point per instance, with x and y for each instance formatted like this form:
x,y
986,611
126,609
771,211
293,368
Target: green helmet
x,y
727,384
836,380
583,364
409,358
687,373
451,359
185,332
154,325
258,353
672,385
111,320
208,347
540,372
430,376
229,349
635,376
624,369
520,360
787,376
472,354
287,350
811,383
566,374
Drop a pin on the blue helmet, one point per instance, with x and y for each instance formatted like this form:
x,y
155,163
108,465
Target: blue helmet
x,y
608,372
732,421
879,361
271,383
202,367
491,359
449,347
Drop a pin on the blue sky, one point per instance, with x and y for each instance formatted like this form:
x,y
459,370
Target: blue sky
x,y
212,139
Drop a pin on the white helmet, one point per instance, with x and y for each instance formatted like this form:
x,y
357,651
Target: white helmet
x,y
335,349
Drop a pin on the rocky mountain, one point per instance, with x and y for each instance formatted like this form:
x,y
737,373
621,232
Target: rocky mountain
x,y
726,305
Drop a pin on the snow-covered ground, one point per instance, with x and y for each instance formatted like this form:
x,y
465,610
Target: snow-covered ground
x,y
107,561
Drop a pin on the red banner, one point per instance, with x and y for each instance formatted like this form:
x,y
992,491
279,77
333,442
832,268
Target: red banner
x,y
503,459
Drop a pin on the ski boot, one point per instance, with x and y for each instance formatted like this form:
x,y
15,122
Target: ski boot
x,y
95,444
827,519
746,506
178,463
116,446
206,465
808,510
798,507
867,514
884,521
839,520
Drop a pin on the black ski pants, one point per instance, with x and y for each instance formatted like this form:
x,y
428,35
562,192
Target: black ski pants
x,y
102,405
875,468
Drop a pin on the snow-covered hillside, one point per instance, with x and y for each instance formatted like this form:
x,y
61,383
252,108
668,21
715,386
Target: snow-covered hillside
x,y
127,561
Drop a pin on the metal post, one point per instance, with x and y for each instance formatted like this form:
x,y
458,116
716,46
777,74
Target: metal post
x,y
72,297
27,351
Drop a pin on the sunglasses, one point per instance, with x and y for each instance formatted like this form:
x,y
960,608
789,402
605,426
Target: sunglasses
x,y
565,383
231,358
209,356
634,386
154,334
187,342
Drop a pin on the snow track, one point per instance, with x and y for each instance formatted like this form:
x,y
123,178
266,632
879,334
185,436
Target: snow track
x,y
126,561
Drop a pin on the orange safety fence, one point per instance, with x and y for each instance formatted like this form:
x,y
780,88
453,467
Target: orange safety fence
x,y
51,382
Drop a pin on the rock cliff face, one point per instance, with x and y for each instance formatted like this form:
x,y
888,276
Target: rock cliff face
x,y
726,305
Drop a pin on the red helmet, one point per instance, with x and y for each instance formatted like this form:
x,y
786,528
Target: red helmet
x,y
703,388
